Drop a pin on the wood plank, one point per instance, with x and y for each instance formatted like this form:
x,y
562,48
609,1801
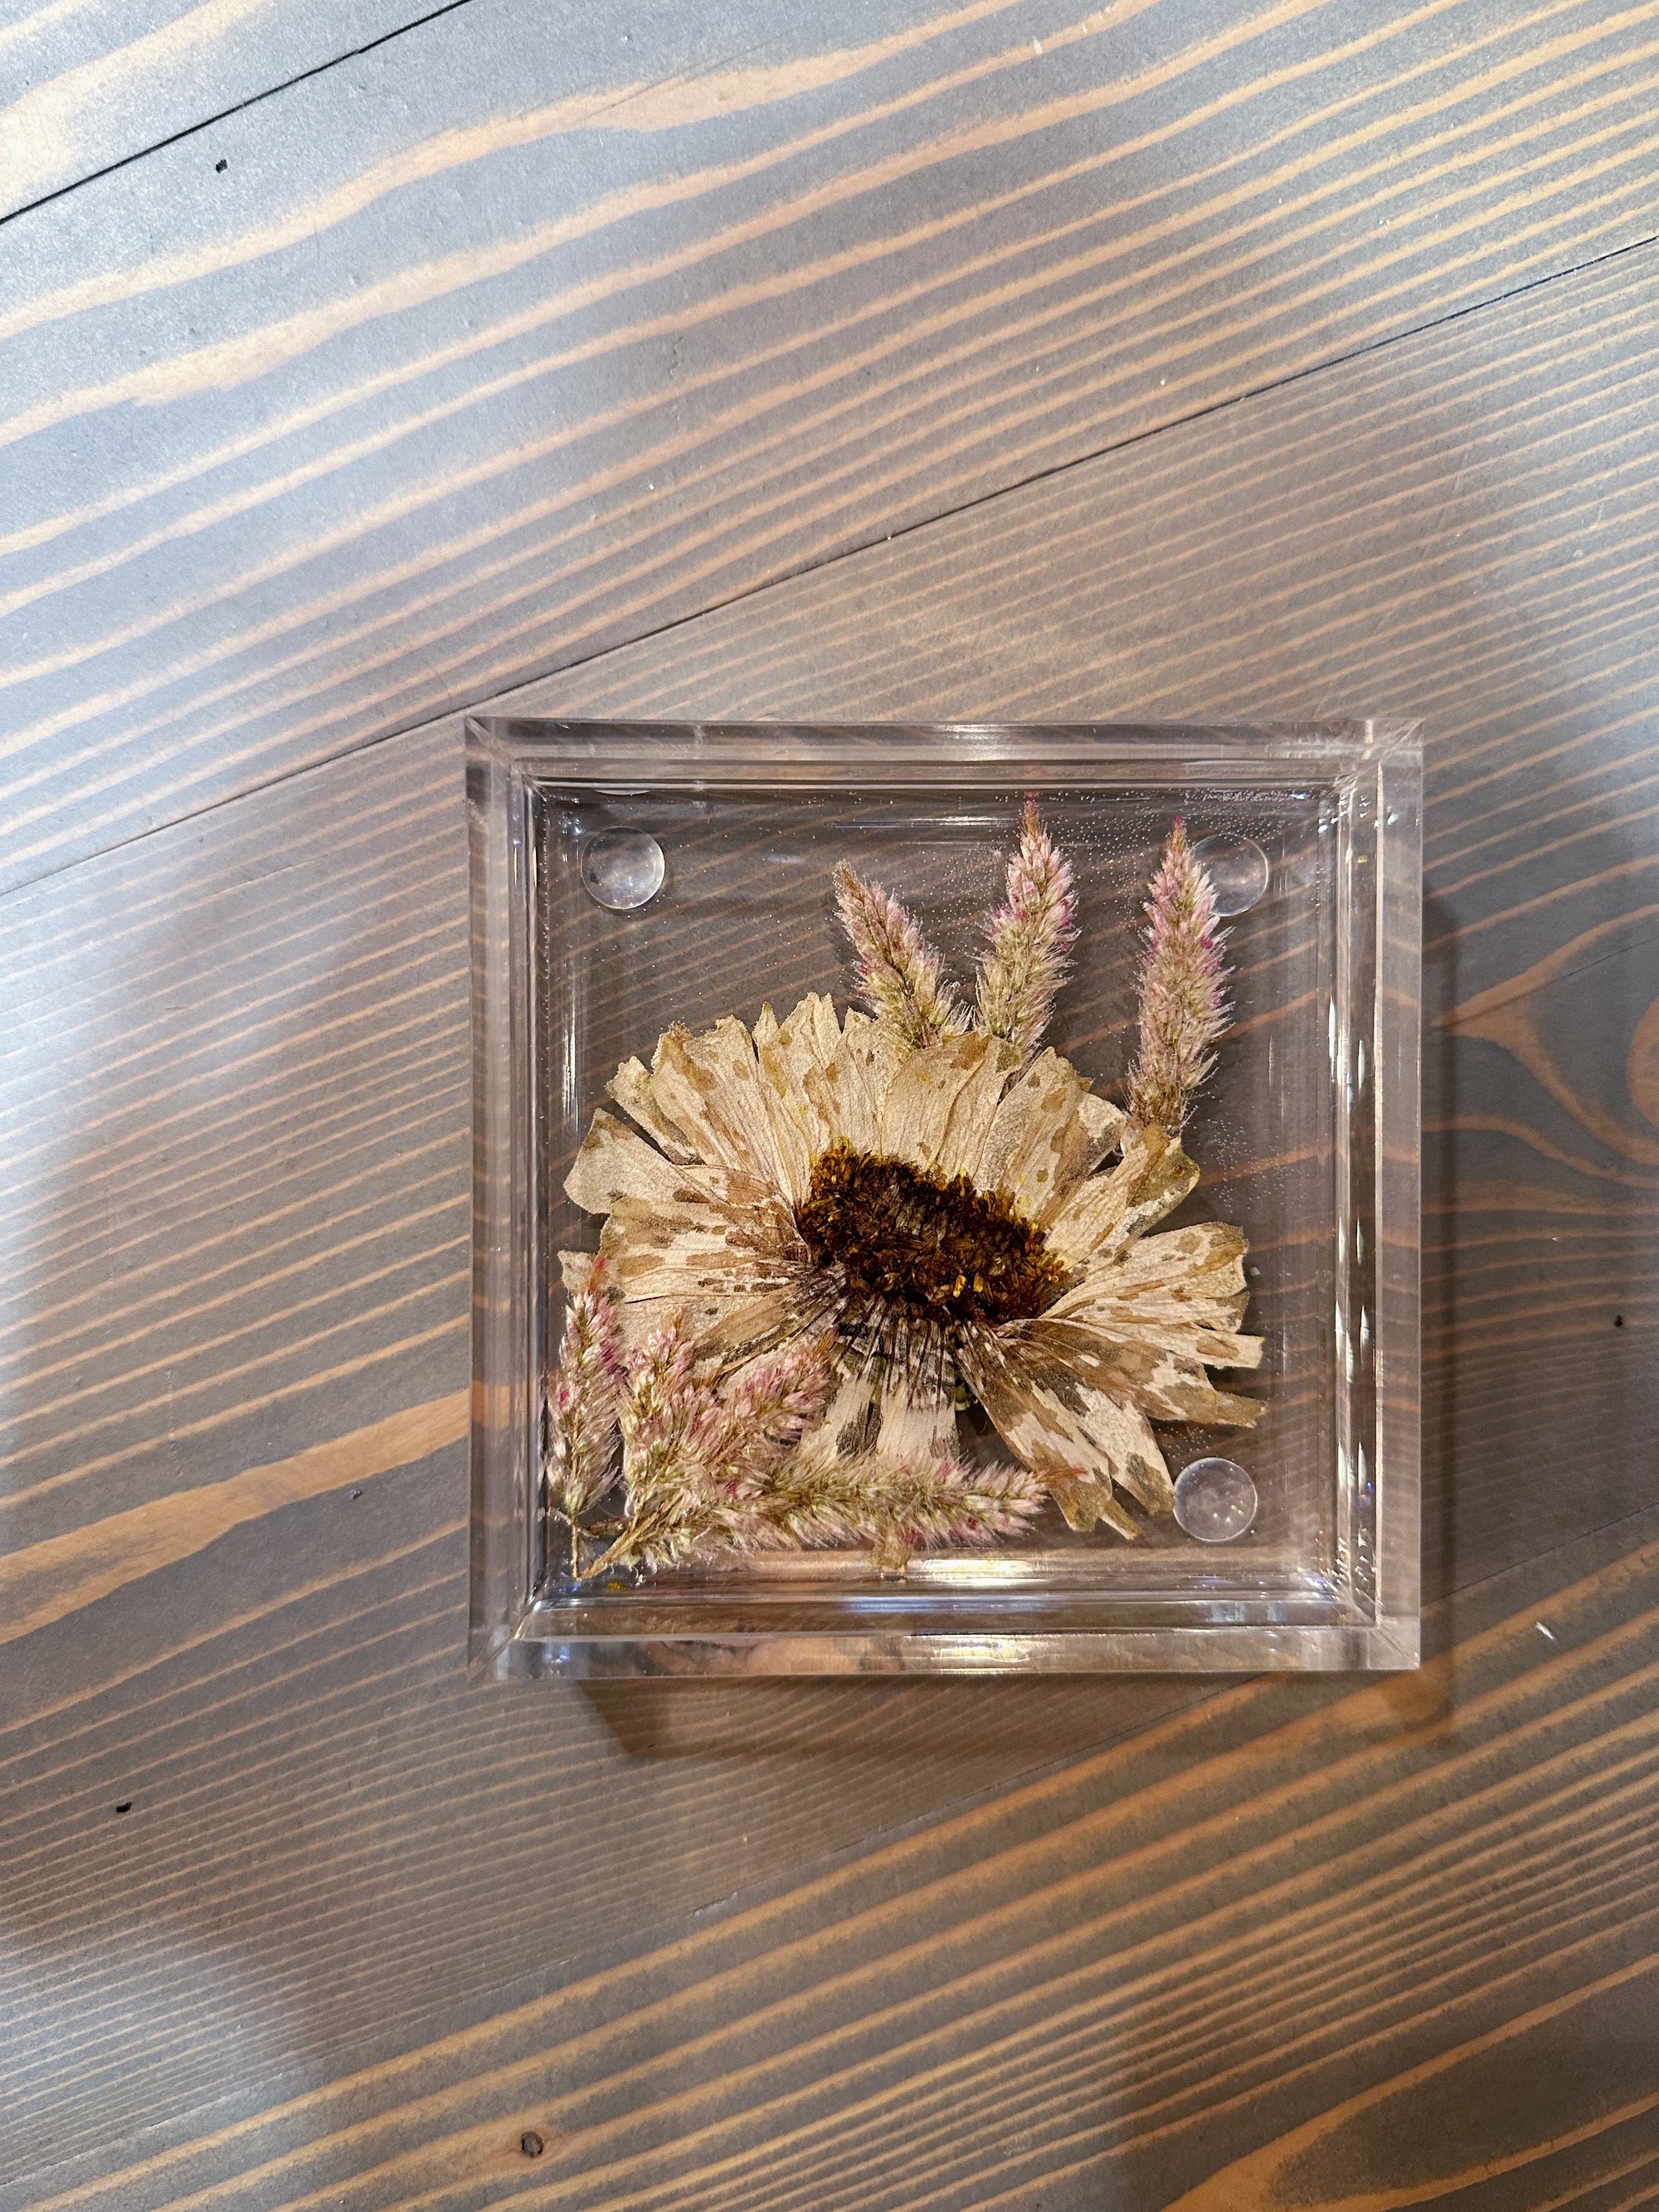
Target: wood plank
x,y
89,83
1311,1944
232,1111
232,1550
711,307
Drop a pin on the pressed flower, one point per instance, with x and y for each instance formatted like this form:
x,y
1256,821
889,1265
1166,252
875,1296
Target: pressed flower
x,y
894,1506
697,1457
583,1401
1027,941
915,1217
898,974
1183,1008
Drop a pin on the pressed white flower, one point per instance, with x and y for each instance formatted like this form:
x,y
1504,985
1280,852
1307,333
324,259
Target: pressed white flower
x,y
937,1218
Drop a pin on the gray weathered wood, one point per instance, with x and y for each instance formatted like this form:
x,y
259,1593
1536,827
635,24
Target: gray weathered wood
x,y
232,1112
85,87
1309,1943
504,344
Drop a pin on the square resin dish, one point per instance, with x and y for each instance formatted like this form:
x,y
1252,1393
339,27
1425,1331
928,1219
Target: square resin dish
x,y
627,877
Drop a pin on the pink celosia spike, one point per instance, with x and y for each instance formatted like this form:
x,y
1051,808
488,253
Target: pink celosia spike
x,y
696,1457
899,975
582,1403
767,1412
1184,1007
1027,941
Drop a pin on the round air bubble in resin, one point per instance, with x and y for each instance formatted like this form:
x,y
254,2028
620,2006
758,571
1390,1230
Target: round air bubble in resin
x,y
1214,1500
1237,870
623,869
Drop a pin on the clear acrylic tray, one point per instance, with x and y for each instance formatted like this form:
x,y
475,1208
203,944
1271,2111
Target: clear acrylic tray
x,y
1307,1134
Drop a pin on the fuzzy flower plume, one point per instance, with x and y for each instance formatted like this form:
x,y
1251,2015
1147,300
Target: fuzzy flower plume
x,y
1184,1007
666,1417
1027,941
697,1459
898,973
583,1403
707,1469
896,1506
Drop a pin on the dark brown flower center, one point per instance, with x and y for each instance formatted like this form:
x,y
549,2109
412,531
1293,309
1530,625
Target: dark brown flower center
x,y
933,1248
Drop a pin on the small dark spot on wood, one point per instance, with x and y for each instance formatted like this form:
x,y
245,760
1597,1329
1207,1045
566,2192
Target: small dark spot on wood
x,y
531,2143
219,169
1619,1321
126,1805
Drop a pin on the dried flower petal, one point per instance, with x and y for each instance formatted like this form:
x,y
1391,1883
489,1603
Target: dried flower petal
x,y
898,972
1183,1008
1027,941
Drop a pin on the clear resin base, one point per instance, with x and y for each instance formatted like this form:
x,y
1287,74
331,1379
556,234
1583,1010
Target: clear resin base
x,y
626,877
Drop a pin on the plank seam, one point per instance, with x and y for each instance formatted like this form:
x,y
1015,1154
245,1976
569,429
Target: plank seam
x,y
221,115
501,701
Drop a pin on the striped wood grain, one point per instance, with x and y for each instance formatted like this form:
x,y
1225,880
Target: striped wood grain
x,y
87,83
234,1116
712,304
1300,1947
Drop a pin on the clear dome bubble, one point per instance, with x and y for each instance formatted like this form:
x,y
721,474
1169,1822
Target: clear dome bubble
x,y
1215,1500
623,869
1237,870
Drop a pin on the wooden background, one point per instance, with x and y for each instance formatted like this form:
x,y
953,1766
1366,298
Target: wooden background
x,y
361,362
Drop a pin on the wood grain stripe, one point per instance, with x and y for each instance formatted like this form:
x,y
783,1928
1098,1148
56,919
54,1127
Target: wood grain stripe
x,y
341,512
880,2033
105,81
1282,2174
43,1581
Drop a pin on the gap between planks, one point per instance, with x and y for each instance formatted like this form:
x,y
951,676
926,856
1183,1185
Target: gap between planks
x,y
501,701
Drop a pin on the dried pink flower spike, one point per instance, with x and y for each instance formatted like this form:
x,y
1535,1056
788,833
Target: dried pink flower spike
x,y
896,1506
898,972
696,1461
1184,1007
944,1502
583,1404
1027,941
764,1414
668,1418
